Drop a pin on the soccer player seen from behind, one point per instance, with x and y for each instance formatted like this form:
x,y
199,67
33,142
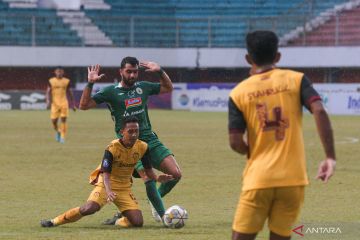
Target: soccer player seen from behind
x,y
129,98
266,109
56,98
112,180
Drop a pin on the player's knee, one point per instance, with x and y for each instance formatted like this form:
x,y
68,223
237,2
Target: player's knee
x,y
89,208
137,222
177,174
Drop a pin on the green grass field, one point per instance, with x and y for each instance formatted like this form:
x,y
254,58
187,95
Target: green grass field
x,y
41,178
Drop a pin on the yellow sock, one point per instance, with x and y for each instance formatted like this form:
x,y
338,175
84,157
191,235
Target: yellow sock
x,y
63,129
69,216
123,222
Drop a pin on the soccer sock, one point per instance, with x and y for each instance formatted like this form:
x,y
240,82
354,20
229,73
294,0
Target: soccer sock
x,y
63,129
155,197
165,188
69,216
123,222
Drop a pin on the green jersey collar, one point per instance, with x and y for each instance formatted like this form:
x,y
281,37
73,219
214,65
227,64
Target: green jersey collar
x,y
121,86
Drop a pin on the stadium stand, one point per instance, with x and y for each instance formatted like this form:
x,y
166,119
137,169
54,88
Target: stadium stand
x,y
161,23
340,28
188,23
29,26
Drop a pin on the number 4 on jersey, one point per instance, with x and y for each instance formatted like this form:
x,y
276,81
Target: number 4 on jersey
x,y
279,124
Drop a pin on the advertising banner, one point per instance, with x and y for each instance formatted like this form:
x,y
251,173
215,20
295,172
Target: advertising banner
x,y
180,97
342,99
24,100
211,97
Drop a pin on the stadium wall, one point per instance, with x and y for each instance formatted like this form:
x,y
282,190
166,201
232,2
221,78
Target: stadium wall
x,y
305,57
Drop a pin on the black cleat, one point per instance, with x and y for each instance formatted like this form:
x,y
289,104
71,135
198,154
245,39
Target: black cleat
x,y
111,221
47,223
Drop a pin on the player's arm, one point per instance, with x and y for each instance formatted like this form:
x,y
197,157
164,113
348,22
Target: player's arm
x,y
237,128
311,100
71,96
48,96
166,85
106,168
149,171
86,102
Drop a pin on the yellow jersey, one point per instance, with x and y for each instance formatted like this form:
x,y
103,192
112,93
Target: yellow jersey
x,y
58,91
271,106
122,164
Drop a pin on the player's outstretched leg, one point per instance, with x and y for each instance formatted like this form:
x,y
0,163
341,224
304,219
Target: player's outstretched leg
x,y
156,203
72,215
169,166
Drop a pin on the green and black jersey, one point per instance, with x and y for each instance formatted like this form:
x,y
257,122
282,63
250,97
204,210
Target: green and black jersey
x,y
123,102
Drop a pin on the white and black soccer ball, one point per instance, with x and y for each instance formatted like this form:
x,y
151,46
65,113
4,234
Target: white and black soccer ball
x,y
175,217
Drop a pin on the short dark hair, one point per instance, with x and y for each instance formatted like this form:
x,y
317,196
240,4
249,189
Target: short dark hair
x,y
262,46
131,119
59,67
130,60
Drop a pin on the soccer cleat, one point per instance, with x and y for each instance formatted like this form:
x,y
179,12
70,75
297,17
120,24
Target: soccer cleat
x,y
47,223
62,140
57,136
154,213
111,221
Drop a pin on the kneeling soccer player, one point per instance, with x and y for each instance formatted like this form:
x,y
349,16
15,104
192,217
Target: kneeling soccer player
x,y
112,180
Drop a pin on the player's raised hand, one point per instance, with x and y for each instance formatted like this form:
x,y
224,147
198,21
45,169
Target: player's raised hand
x,y
326,169
150,66
111,196
164,178
93,73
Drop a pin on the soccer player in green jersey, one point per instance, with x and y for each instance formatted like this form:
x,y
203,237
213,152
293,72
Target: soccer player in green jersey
x,y
129,98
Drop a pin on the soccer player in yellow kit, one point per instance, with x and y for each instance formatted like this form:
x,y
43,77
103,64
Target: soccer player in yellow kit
x,y
112,180
56,97
267,106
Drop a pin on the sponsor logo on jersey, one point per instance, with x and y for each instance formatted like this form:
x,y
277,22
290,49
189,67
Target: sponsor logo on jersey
x,y
124,164
133,102
139,90
136,156
131,93
106,163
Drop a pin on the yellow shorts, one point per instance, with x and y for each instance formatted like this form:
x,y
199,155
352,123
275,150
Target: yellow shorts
x,y
125,200
281,206
59,111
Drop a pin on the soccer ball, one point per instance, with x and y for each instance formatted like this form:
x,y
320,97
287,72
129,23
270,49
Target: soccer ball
x,y
175,217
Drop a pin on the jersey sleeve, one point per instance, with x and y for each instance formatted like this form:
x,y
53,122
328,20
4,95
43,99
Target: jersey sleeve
x,y
106,164
151,88
146,159
308,94
237,123
101,96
